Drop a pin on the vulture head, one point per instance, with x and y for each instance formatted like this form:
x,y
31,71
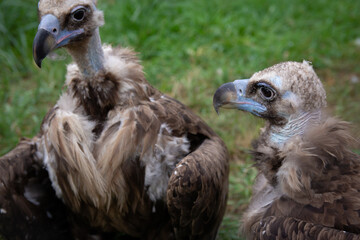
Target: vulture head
x,y
73,25
287,95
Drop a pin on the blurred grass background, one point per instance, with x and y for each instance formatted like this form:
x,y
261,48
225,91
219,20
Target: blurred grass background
x,y
188,49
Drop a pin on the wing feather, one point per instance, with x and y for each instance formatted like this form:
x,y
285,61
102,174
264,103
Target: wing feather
x,y
197,191
29,208
281,228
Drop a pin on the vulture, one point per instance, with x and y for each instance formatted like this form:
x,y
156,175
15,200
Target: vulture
x,y
119,156
308,182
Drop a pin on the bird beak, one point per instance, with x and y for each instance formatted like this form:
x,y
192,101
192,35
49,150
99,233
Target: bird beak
x,y
232,95
49,37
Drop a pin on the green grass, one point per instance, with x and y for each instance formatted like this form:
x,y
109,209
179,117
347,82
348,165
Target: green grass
x,y
188,49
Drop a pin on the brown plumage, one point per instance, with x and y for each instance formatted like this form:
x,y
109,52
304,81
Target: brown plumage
x,y
29,208
272,228
152,131
308,186
120,154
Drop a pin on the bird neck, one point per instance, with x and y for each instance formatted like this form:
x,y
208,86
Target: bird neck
x,y
295,126
88,55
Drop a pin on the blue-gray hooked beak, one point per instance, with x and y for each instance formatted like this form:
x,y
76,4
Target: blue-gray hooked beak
x,y
49,37
232,95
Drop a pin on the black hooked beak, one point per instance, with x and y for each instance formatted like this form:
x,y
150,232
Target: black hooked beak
x,y
43,44
233,95
49,37
224,96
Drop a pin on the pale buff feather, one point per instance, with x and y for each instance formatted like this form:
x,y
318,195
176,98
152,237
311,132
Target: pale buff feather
x,y
70,138
118,144
111,150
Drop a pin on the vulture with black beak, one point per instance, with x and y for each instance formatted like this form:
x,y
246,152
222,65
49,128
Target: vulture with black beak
x,y
122,156
308,183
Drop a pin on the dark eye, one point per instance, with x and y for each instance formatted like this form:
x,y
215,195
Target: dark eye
x,y
266,92
79,14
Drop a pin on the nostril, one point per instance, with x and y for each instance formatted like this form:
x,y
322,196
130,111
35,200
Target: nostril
x,y
54,30
240,91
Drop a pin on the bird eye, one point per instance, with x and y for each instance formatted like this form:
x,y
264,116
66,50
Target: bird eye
x,y
267,93
79,14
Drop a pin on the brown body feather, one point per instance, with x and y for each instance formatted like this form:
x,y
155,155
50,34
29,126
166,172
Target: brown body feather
x,y
29,208
281,228
103,134
313,179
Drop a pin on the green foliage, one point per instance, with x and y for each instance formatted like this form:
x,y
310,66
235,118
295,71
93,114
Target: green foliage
x,y
188,49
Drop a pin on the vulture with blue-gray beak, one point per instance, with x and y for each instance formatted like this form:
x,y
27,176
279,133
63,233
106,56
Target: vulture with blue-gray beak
x,y
308,183
122,156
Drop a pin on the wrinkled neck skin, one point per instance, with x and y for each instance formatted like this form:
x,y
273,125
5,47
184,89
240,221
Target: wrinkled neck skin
x,y
295,126
89,56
